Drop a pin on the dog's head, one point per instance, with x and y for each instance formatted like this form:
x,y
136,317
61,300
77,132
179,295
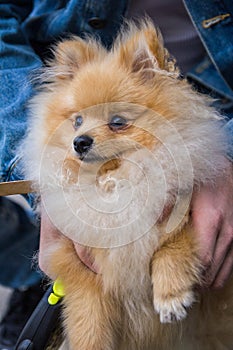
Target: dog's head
x,y
100,103
104,117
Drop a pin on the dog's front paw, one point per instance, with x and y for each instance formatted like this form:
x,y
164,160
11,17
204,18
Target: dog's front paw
x,y
173,308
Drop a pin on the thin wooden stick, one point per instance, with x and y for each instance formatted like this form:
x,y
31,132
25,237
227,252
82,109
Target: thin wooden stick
x,y
16,187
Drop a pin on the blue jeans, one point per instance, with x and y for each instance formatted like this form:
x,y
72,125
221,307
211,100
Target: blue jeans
x,y
19,238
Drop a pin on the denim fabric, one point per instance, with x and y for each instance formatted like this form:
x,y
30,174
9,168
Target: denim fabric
x,y
215,72
17,62
52,19
19,239
28,27
214,22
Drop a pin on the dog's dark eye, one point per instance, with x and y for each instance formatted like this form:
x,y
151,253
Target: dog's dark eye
x,y
78,121
117,122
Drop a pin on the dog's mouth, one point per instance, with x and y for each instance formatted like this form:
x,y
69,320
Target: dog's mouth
x,y
94,157
104,164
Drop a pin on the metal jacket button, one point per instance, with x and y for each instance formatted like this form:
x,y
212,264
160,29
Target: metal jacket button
x,y
97,23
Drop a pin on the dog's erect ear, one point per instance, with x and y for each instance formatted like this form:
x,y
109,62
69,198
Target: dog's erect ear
x,y
70,55
141,50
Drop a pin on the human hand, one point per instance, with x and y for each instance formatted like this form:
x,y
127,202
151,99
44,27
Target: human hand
x,y
50,236
212,215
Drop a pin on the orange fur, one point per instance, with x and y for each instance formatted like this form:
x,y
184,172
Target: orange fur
x,y
85,299
114,310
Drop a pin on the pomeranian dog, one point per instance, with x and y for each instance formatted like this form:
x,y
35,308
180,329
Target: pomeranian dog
x,y
117,141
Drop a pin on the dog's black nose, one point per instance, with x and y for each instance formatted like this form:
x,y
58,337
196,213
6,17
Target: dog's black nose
x,y
82,144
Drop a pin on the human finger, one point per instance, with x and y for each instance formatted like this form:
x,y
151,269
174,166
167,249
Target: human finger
x,y
223,245
225,271
206,224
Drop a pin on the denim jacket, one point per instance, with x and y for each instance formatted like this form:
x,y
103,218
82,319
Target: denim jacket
x,y
28,27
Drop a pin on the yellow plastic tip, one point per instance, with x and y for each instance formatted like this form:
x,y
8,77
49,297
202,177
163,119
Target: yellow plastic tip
x,y
58,288
53,299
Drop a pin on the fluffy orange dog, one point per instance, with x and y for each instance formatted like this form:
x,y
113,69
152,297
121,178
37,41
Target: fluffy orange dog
x,y
117,137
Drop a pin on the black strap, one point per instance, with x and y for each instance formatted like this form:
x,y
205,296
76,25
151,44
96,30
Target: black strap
x,y
40,325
